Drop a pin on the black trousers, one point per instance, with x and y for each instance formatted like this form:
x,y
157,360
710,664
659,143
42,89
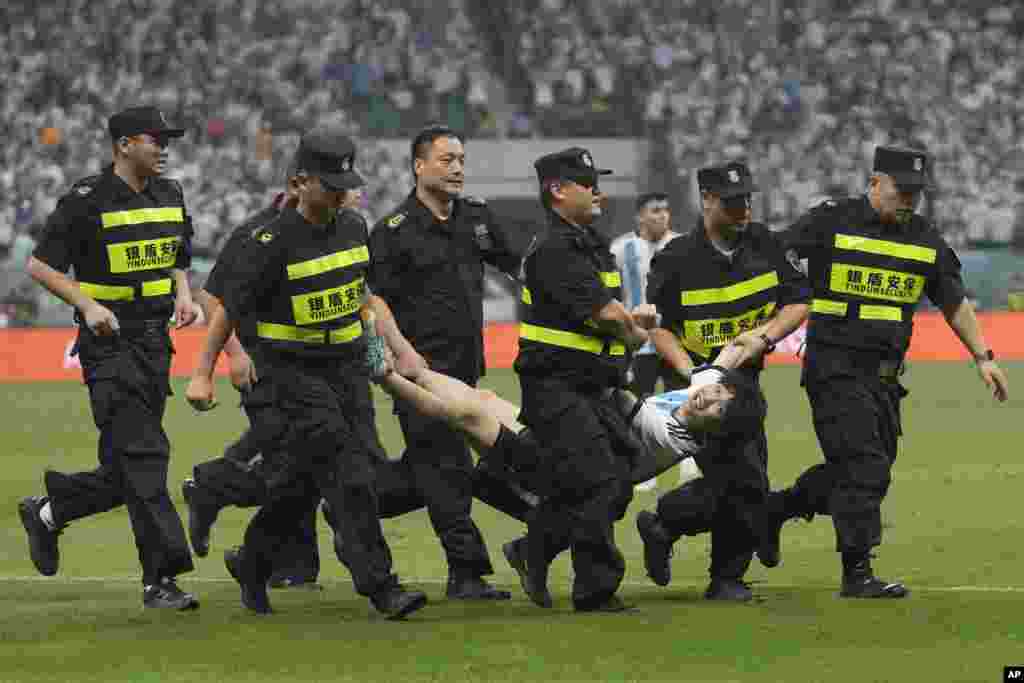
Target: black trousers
x,y
438,463
647,369
726,501
586,485
128,380
302,415
238,478
857,420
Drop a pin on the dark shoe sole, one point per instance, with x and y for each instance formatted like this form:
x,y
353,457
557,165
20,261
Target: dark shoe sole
x,y
883,595
407,609
29,514
184,606
257,605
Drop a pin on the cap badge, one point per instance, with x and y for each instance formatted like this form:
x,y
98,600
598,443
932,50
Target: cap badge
x,y
164,120
346,164
734,176
918,163
587,161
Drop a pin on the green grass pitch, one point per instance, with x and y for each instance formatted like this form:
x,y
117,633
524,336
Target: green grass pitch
x,y
952,531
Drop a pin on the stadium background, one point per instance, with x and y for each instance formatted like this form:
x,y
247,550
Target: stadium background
x,y
656,88
802,89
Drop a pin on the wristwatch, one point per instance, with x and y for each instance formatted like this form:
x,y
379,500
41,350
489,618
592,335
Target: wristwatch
x,y
769,345
987,356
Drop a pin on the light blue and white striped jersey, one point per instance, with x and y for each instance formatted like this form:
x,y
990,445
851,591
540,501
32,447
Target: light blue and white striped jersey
x,y
633,256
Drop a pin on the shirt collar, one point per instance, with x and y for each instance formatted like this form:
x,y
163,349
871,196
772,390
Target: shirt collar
x,y
704,242
117,188
422,215
586,235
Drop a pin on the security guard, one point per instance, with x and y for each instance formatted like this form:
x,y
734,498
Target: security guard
x,y
127,235
727,278
870,259
295,290
237,478
428,258
572,349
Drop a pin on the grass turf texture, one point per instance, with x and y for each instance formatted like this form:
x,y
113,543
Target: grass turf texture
x,y
952,533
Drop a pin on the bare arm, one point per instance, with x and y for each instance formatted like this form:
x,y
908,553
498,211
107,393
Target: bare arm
x,y
209,303
199,392
964,322
671,351
184,313
752,346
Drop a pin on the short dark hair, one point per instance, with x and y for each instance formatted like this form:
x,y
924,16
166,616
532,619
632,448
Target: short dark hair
x,y
648,197
425,138
743,414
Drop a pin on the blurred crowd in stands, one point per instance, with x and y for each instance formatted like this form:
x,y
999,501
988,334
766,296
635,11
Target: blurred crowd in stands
x,y
801,89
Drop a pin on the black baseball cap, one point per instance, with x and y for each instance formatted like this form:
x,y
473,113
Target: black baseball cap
x,y
727,180
330,156
138,120
908,167
574,163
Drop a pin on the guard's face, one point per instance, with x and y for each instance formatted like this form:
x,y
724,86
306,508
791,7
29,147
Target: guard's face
x,y
894,204
583,200
732,213
147,153
444,168
318,196
353,198
654,219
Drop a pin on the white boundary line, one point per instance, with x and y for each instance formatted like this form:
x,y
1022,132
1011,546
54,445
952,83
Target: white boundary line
x,y
436,581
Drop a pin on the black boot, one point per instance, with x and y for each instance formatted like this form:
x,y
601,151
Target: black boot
x,y
728,590
859,581
201,516
657,547
396,602
534,583
254,593
769,528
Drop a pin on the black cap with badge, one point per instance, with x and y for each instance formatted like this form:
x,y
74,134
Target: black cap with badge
x,y
329,156
907,167
138,120
574,163
732,182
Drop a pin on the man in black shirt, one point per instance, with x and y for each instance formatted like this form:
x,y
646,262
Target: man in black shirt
x,y
572,348
427,263
869,260
296,290
127,235
728,278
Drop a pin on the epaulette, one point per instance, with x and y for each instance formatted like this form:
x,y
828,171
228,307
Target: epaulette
x,y
395,220
85,186
475,201
265,233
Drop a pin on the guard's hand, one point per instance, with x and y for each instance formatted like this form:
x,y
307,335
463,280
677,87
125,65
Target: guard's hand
x,y
646,316
995,379
409,364
744,349
199,394
242,371
185,312
100,320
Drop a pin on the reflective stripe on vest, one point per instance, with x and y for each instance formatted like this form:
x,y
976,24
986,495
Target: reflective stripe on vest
x,y
328,304
117,219
526,296
570,340
130,257
700,336
611,280
323,264
867,245
122,293
865,311
280,332
723,295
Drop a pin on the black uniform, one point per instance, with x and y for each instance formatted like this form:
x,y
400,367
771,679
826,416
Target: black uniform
x,y
123,246
238,478
295,294
431,273
565,364
868,278
707,298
